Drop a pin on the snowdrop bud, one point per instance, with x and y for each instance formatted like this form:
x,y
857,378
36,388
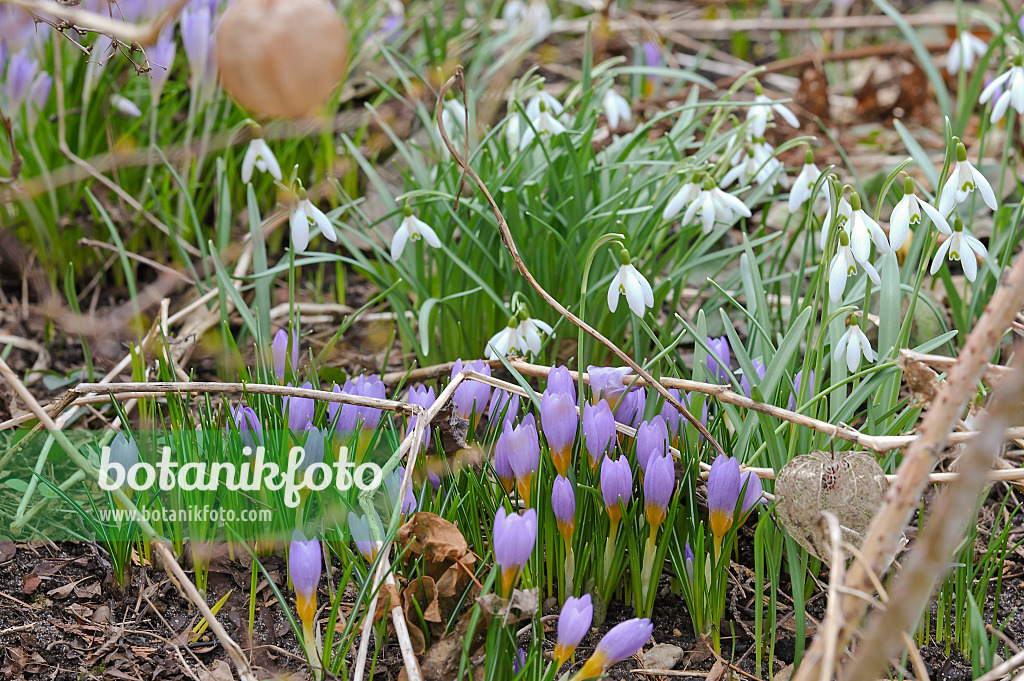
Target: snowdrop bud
x,y
124,452
282,58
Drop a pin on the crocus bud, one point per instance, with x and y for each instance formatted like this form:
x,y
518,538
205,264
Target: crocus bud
x,y
285,354
522,448
563,504
723,495
519,661
359,526
559,419
760,368
659,483
673,419
282,58
688,561
503,405
560,381
631,407
512,542
250,430
502,464
797,388
304,567
606,383
392,487
471,397
622,641
753,492
424,397
573,623
719,359
351,417
598,427
313,448
299,410
124,452
616,485
651,441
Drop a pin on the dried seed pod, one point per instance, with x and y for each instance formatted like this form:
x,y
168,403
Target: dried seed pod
x,y
281,58
849,484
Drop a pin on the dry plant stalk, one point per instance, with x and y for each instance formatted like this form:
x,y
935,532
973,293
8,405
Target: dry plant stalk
x,y
882,540
83,19
944,531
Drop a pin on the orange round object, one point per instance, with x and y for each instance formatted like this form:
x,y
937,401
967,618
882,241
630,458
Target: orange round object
x,y
281,58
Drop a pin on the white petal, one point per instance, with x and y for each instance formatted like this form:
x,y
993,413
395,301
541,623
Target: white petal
x,y
991,88
645,286
613,291
853,352
968,261
975,245
399,240
322,221
940,256
634,294
428,233
1017,91
300,229
733,203
947,197
872,273
985,188
899,223
841,346
936,218
860,239
249,162
953,58
678,200
707,213
837,278
268,157
786,115
1000,107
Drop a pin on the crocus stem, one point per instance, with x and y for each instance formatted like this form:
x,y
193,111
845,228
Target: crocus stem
x,y
609,549
570,569
312,649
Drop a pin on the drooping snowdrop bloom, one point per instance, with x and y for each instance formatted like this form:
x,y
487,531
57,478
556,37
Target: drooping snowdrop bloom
x,y
755,162
513,130
258,156
616,109
621,641
803,186
961,245
412,229
908,212
125,106
864,230
532,15
123,454
964,179
521,334
709,203
844,265
304,214
854,344
453,116
540,100
843,213
1005,90
505,341
630,283
965,49
764,110
544,123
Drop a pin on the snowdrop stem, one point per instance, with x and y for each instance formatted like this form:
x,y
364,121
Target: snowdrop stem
x,y
506,236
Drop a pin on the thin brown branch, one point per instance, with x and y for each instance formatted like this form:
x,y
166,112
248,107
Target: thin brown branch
x,y
15,169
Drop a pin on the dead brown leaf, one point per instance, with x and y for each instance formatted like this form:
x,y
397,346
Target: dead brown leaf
x,y
812,95
218,671
522,605
434,538
30,583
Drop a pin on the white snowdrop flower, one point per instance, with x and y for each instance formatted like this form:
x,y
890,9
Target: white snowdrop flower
x,y
304,214
803,186
258,156
756,162
1010,87
630,283
844,265
543,124
962,246
616,109
864,230
125,106
412,229
453,116
964,179
707,202
529,334
505,341
513,131
534,15
965,49
854,344
843,213
908,212
540,100
764,110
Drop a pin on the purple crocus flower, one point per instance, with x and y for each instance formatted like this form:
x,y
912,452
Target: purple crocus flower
x,y
606,383
285,353
559,419
622,641
723,495
305,564
362,535
351,417
392,487
651,440
760,368
503,405
124,452
631,407
198,37
38,95
522,448
659,483
313,448
719,359
250,430
616,485
422,396
471,397
688,561
560,381
21,73
161,60
299,410
563,504
753,492
598,427
673,419
573,624
502,466
512,542
797,384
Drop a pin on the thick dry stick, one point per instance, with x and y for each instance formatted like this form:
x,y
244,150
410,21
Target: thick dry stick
x,y
882,539
233,650
510,244
944,531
